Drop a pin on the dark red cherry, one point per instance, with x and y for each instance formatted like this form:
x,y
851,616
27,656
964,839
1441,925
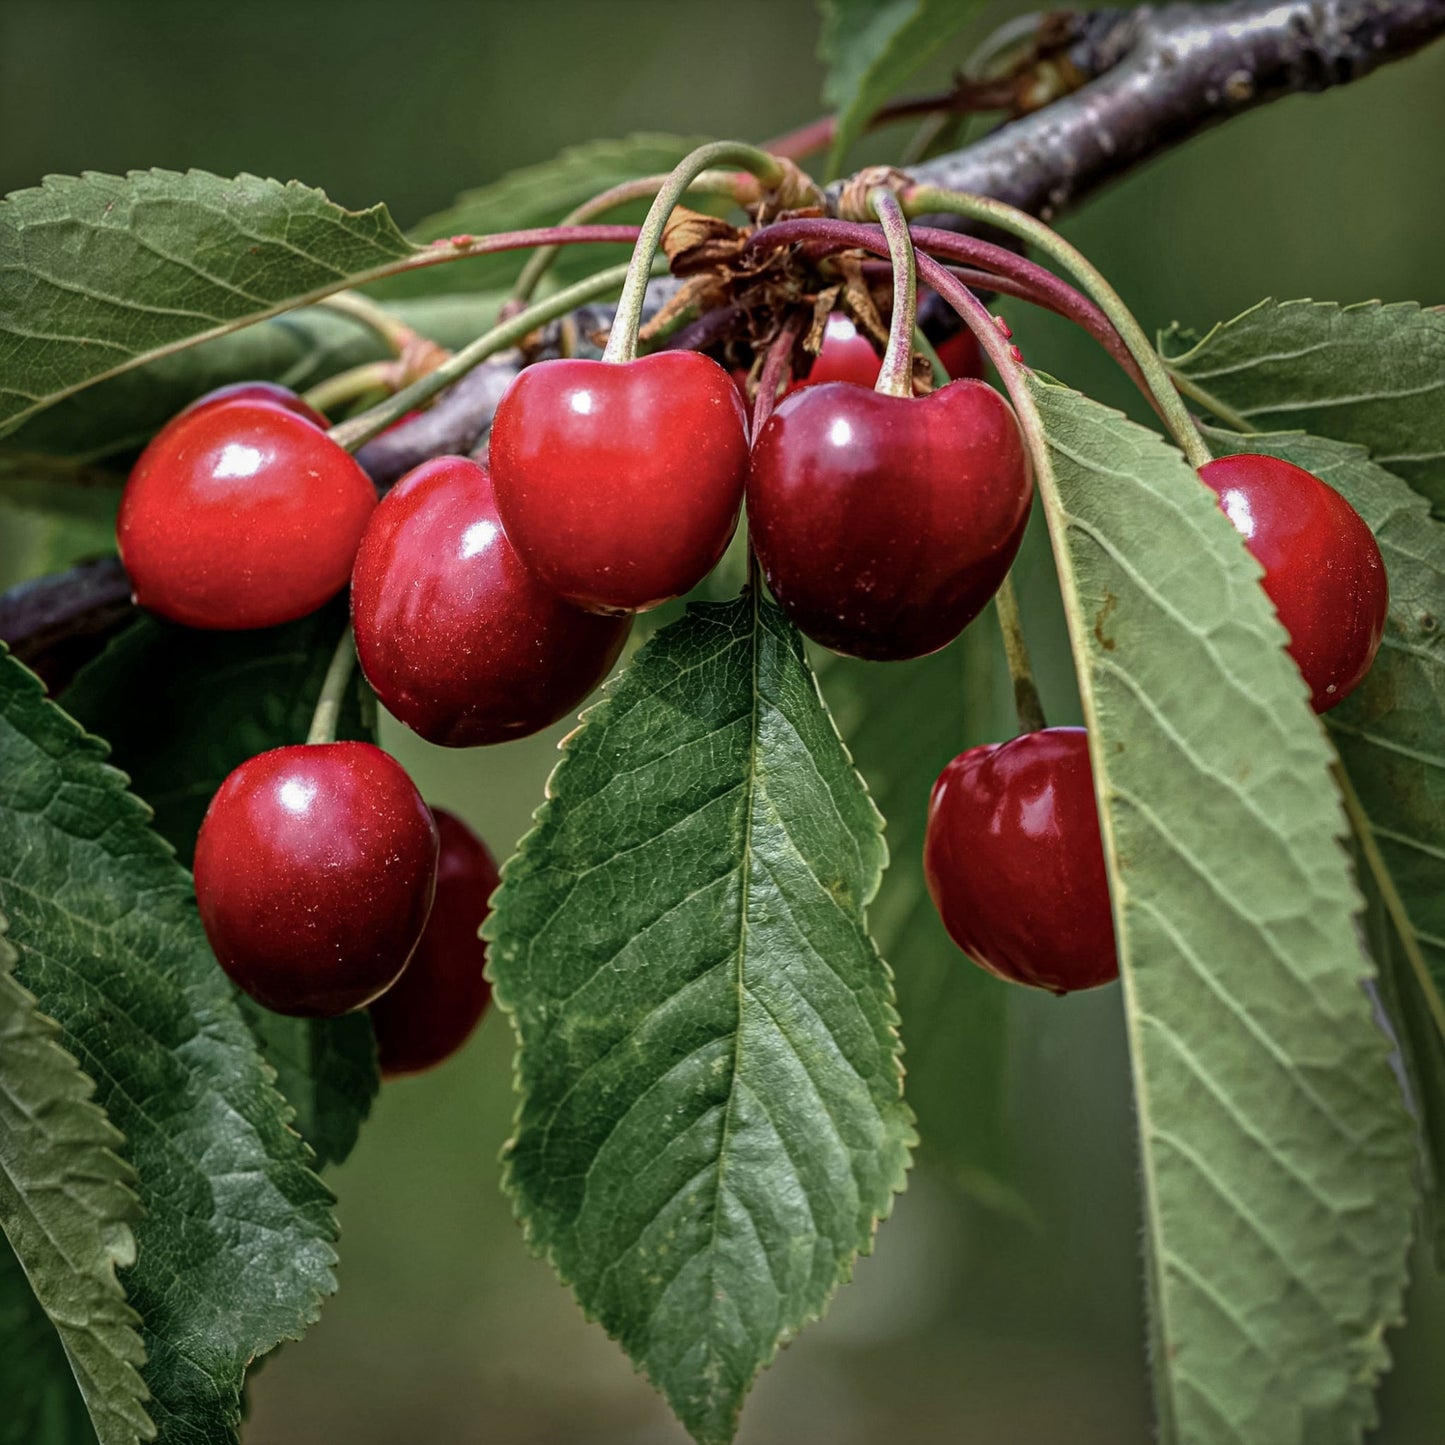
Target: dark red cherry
x,y
271,391
883,523
620,485
1322,567
315,867
961,355
432,1009
241,514
459,639
845,355
1015,863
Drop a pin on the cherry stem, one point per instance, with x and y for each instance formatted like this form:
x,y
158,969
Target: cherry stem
x,y
348,386
738,187
333,691
395,333
358,430
895,376
924,200
772,172
777,367
1026,695
1000,270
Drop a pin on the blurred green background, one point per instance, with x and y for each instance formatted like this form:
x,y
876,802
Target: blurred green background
x,y
973,1325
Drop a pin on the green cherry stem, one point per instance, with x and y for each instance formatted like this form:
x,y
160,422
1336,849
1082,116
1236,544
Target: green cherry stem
x,y
1026,695
895,376
396,334
333,691
644,188
772,172
349,386
926,200
358,430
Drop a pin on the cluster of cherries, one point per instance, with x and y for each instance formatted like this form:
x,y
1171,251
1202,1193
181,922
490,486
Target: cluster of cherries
x,y
488,602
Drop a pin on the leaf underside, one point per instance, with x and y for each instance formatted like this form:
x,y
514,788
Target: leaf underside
x,y
1275,1145
235,1245
100,273
180,709
1371,374
67,1208
711,1118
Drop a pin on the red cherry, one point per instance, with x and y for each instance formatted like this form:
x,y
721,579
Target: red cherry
x,y
315,866
431,1010
1322,567
884,524
961,355
845,355
241,514
271,391
1015,863
459,639
620,485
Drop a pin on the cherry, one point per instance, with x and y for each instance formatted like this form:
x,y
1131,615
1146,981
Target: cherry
x,y
241,514
883,523
432,1009
845,355
961,355
315,866
1322,567
271,391
620,483
461,642
1015,863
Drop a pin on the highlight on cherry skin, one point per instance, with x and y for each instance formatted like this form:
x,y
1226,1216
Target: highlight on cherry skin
x,y
1322,567
848,355
884,524
241,513
1015,862
314,869
435,1006
460,641
620,484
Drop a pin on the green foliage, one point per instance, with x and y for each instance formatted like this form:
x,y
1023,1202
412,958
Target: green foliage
x,y
235,1245
1276,1151
99,274
1369,374
712,1119
181,709
67,1208
542,195
870,47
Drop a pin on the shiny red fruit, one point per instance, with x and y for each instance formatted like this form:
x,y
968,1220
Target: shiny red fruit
x,y
432,1009
883,523
845,355
620,485
1015,863
241,514
961,355
271,391
459,639
1322,567
315,866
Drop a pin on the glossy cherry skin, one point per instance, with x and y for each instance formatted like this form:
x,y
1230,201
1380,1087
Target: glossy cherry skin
x,y
1015,863
315,867
620,485
271,391
1322,567
461,642
845,355
241,514
432,1009
961,355
884,524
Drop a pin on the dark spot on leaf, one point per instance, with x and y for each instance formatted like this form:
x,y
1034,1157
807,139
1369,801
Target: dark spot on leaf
x,y
1428,622
1111,603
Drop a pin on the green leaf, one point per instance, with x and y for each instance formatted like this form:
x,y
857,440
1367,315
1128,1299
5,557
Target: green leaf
x,y
870,47
1276,1151
541,195
1369,374
712,1117
67,1208
42,1403
73,457
99,274
1391,732
235,1247
180,709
